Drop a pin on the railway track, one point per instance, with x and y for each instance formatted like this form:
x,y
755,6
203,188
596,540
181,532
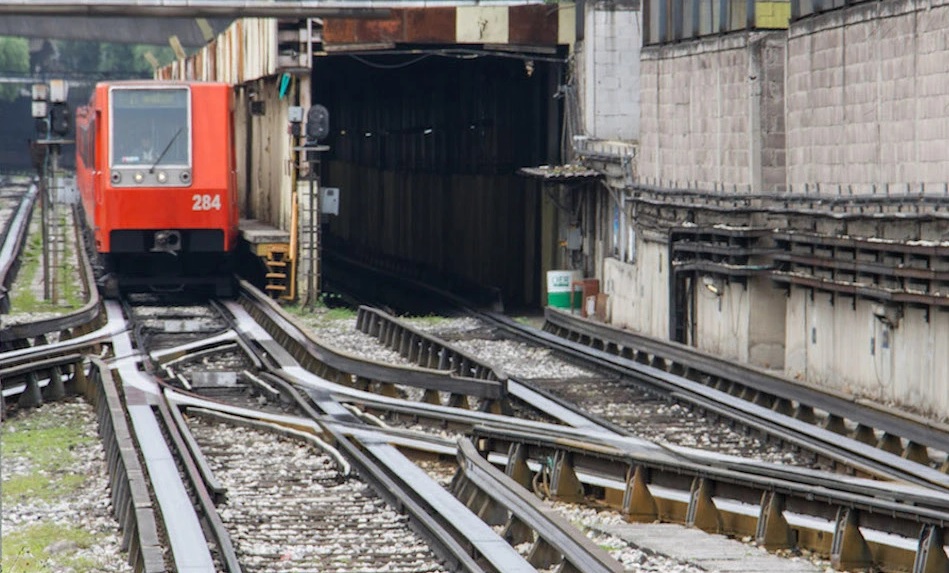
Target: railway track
x,y
146,339
249,359
702,499
16,206
866,438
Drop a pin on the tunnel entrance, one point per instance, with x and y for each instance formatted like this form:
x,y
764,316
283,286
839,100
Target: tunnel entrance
x,y
425,147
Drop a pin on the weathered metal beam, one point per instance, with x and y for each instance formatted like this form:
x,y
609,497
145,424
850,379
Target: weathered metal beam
x,y
199,8
231,8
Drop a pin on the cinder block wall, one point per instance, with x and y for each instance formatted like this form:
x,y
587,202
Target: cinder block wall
x,y
711,113
867,103
611,52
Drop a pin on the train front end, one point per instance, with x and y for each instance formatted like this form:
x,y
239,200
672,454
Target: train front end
x,y
165,207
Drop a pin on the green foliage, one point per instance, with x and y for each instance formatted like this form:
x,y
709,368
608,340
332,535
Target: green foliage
x,y
109,59
78,56
14,59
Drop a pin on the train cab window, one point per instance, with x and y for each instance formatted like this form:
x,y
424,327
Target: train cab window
x,y
150,127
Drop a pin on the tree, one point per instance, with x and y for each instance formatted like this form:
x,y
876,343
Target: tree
x,y
14,60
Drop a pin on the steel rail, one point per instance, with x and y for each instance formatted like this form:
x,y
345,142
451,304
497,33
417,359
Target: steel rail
x,y
82,321
891,498
182,525
14,235
736,495
131,504
824,442
917,430
293,340
456,534
831,445
557,541
326,389
713,495
197,475
905,526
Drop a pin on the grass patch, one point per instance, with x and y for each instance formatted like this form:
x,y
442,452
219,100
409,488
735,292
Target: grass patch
x,y
25,550
429,319
48,447
23,299
321,311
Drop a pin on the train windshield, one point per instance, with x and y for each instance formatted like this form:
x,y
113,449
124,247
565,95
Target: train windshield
x,y
150,126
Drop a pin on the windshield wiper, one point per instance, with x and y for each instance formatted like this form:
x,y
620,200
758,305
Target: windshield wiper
x,y
164,151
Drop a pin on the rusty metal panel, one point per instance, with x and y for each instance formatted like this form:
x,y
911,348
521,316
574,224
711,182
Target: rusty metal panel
x,y
534,24
360,31
410,25
430,25
339,31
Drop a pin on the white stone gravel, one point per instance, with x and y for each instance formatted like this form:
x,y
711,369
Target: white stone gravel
x,y
289,509
86,507
519,360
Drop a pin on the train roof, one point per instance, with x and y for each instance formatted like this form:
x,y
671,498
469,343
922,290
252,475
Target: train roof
x,y
154,83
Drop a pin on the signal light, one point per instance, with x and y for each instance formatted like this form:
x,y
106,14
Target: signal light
x,y
60,119
41,124
317,123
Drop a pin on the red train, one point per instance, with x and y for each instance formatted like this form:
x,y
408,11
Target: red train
x,y
155,166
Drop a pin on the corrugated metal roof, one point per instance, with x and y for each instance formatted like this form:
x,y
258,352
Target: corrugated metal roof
x,y
559,173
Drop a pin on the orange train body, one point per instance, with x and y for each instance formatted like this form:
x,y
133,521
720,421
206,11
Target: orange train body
x,y
156,173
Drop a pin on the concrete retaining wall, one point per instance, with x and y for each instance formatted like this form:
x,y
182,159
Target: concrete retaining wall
x,y
639,292
848,348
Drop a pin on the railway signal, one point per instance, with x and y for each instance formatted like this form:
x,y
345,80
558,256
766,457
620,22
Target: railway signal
x,y
53,120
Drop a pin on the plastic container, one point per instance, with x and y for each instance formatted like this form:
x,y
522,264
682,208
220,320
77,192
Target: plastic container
x,y
559,284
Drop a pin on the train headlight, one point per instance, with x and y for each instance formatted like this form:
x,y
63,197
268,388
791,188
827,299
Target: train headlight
x,y
162,177
116,177
139,177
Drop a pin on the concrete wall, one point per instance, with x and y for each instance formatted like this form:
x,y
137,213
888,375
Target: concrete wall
x,y
744,323
846,347
721,322
867,99
708,113
611,49
639,293
766,323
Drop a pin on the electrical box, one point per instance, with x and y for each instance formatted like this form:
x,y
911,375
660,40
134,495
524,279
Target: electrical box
x,y
329,200
295,114
574,239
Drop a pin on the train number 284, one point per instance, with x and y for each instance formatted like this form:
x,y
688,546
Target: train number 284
x,y
206,202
